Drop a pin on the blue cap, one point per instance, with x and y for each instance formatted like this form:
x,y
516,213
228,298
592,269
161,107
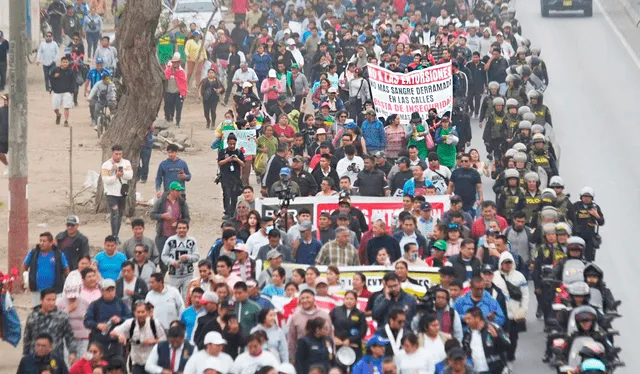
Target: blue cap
x,y
377,340
99,60
285,171
350,125
593,364
195,33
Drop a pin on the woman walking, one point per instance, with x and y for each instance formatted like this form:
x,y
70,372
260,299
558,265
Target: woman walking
x,y
211,90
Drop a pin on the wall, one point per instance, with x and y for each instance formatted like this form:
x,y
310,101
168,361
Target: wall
x,y
33,18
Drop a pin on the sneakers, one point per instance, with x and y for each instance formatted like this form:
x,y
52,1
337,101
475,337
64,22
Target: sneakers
x,y
142,181
177,123
66,123
208,124
58,116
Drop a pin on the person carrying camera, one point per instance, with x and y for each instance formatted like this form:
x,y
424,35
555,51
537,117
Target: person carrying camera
x,y
231,162
285,188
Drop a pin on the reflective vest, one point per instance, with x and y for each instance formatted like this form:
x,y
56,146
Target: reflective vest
x,y
512,198
531,206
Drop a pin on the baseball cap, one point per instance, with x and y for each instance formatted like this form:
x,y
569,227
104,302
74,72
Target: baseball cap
x,y
370,112
73,220
285,171
492,232
455,198
440,245
272,73
379,154
99,60
214,337
343,216
321,131
240,247
282,98
343,195
487,268
377,340
321,280
210,297
447,270
326,144
175,186
291,42
251,283
456,354
298,158
295,66
107,283
425,206
333,90
403,160
247,85
350,125
195,33
305,226
325,104
273,254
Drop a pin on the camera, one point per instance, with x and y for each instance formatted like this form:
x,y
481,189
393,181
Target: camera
x,y
285,194
218,178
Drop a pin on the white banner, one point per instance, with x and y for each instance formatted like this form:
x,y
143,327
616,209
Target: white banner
x,y
417,91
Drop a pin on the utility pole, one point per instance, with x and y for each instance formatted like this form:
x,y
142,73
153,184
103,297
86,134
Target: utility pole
x,y
18,158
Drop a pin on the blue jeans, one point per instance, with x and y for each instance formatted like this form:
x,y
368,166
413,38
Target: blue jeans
x,y
92,43
145,156
47,70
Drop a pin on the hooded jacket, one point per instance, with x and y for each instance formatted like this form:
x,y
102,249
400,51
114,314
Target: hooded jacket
x,y
517,310
298,323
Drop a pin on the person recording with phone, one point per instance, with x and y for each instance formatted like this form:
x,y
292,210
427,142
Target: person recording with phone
x,y
116,174
171,170
231,162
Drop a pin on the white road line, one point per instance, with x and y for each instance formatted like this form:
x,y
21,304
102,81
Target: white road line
x,y
618,33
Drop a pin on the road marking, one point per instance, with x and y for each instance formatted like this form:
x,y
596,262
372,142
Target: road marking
x,y
618,33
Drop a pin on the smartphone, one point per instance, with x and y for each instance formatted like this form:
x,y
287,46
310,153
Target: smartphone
x,y
120,168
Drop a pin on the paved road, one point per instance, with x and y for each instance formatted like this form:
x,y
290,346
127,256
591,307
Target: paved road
x,y
592,101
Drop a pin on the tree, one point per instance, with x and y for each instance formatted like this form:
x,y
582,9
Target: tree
x,y
140,90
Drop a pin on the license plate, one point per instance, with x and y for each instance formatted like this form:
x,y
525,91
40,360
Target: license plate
x,y
567,3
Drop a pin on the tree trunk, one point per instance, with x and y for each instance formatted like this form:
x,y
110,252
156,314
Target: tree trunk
x,y
140,91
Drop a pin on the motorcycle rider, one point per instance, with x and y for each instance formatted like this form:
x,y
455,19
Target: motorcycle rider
x,y
593,366
543,115
103,94
587,218
586,318
594,275
575,248
512,197
532,198
495,131
540,157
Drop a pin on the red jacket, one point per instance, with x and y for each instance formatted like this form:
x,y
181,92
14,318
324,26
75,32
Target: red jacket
x,y
478,229
181,79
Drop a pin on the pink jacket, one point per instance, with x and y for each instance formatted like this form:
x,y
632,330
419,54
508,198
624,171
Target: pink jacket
x,y
270,93
76,318
181,79
478,229
298,324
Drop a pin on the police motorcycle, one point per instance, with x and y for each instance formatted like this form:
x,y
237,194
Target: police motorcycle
x,y
574,348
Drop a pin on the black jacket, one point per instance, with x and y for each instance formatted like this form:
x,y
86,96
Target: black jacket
x,y
461,268
477,77
206,323
354,327
318,176
159,209
4,124
139,290
64,82
32,364
495,349
272,174
79,248
306,182
371,183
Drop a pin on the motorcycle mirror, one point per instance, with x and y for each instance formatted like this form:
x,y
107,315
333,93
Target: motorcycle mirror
x,y
617,304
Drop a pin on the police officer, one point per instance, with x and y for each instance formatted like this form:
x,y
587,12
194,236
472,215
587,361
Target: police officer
x,y
587,217
563,202
511,198
511,120
524,133
486,107
540,157
495,131
543,115
547,253
575,251
532,198
371,181
515,90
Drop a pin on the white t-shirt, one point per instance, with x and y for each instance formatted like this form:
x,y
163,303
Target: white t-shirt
x,y
128,287
438,180
477,352
247,364
434,349
418,362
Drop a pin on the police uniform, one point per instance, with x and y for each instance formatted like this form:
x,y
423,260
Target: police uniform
x,y
509,201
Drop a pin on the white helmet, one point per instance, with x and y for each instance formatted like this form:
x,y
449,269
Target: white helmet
x,y
511,173
556,181
576,240
520,147
587,191
531,176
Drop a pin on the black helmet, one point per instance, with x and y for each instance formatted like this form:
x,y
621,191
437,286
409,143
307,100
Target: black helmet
x,y
526,71
535,61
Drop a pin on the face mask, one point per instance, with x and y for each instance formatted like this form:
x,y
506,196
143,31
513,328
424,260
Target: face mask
x,y
265,346
413,256
268,229
89,356
227,121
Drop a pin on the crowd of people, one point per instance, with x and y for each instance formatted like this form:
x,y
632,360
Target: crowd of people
x,y
297,75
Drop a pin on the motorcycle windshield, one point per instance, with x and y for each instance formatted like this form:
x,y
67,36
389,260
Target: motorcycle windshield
x,y
574,359
573,272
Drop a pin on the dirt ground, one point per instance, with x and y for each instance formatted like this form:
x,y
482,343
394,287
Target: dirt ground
x,y
49,182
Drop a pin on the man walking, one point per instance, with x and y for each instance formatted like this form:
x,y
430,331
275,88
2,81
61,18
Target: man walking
x,y
173,169
116,174
179,254
47,55
47,268
62,81
230,162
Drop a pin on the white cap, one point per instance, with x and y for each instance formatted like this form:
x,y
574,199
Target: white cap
x,y
176,57
290,41
272,73
286,368
333,89
287,31
247,85
214,337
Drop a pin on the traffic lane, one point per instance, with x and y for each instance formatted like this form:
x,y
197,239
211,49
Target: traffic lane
x,y
592,97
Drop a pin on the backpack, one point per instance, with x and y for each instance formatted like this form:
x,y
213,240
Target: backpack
x,y
152,323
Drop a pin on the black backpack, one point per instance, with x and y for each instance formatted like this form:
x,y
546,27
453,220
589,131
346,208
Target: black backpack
x,y
152,323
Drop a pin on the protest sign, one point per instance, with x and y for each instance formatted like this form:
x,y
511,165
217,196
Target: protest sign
x,y
246,141
385,208
416,91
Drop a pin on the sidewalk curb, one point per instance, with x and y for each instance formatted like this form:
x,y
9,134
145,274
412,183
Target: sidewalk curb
x,y
631,10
